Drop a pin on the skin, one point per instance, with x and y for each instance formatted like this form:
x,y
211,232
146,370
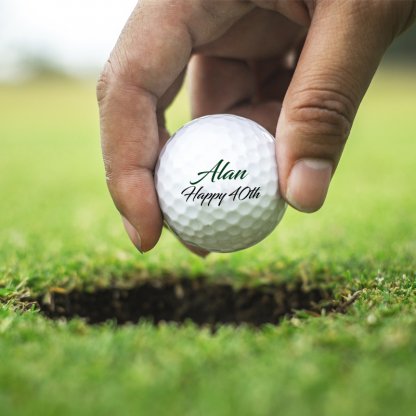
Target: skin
x,y
299,68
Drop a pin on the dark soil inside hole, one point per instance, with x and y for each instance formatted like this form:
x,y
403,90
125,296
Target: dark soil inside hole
x,y
178,300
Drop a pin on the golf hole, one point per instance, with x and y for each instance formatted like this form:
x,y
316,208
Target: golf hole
x,y
180,300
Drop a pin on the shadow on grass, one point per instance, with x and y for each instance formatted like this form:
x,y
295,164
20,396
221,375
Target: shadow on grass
x,y
179,300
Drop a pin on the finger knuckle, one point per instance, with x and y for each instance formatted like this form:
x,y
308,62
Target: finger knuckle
x,y
108,168
103,84
115,76
115,176
323,113
116,181
118,84
120,182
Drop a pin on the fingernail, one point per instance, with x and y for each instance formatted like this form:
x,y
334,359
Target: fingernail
x,y
133,234
308,184
196,250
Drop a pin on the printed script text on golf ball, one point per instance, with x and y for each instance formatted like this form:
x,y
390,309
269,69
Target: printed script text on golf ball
x,y
219,172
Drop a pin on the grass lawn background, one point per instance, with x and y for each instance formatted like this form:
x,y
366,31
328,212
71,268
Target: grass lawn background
x,y
58,227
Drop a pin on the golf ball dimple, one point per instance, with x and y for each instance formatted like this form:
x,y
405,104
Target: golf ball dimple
x,y
217,183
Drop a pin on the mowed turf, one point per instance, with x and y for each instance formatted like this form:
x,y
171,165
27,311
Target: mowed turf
x,y
58,228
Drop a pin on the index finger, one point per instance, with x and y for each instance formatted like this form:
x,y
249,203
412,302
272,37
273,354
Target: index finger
x,y
149,56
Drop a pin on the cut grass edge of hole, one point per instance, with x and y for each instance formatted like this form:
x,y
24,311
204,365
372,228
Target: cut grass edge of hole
x,y
203,302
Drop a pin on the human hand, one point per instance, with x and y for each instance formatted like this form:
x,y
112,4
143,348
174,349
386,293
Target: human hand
x,y
241,57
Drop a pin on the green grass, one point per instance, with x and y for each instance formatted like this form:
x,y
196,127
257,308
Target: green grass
x,y
58,227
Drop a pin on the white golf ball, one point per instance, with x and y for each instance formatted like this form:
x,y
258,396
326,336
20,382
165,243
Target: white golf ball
x,y
217,183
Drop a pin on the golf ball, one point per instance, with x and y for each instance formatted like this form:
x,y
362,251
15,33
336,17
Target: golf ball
x,y
216,179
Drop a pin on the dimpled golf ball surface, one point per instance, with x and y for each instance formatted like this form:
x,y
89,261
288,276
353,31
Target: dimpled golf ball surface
x,y
217,183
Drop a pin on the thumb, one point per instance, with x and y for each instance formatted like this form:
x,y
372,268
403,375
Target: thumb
x,y
345,43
